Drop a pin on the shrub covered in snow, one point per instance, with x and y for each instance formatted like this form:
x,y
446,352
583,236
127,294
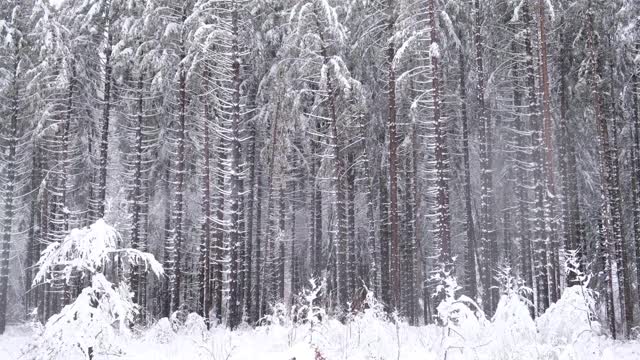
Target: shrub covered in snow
x,y
512,330
569,318
103,311
161,332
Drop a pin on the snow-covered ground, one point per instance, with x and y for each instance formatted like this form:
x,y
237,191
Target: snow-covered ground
x,y
563,333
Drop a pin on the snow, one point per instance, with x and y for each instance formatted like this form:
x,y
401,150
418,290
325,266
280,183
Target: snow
x,y
56,3
87,250
565,332
100,316
99,321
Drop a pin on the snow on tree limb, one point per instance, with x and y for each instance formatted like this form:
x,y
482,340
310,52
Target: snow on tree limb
x,y
88,250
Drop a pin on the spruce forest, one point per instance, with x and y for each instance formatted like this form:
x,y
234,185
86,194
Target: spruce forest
x,y
272,152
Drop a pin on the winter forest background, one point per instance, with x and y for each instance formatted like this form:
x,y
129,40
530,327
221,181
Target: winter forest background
x,y
411,152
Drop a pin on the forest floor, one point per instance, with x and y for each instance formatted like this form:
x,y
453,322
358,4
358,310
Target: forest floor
x,y
333,341
562,333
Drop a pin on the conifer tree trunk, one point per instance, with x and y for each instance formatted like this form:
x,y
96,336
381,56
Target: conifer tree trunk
x,y
280,257
32,294
178,206
9,193
573,240
258,293
169,248
207,212
219,233
470,251
607,246
372,249
636,168
295,261
615,198
139,216
488,240
383,194
539,246
394,221
409,266
352,258
61,217
523,237
442,213
269,270
251,210
100,197
319,260
236,181
554,271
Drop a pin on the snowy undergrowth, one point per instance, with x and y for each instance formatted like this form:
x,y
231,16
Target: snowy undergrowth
x,y
567,331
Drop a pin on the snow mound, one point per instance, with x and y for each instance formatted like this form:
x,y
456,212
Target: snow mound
x,y
194,326
161,332
572,316
513,331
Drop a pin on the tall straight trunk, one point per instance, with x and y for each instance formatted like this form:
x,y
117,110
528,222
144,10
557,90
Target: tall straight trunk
x,y
44,226
62,213
139,216
607,246
32,297
338,187
219,233
100,197
445,266
539,246
319,259
573,239
339,225
178,206
207,212
408,244
615,198
258,293
383,195
9,194
352,258
636,168
281,255
554,269
169,261
394,221
342,269
470,251
488,240
523,237
295,261
269,270
235,237
242,252
250,223
372,248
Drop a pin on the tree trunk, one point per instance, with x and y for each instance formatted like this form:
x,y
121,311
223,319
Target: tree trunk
x,y
488,240
139,216
207,211
636,168
9,196
394,221
235,236
100,197
470,251
607,246
554,288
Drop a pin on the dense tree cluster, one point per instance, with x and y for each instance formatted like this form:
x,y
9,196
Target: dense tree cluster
x,y
380,144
